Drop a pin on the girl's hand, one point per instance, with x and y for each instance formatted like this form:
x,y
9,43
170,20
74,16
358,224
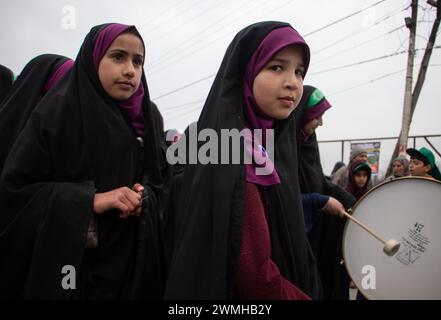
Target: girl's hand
x,y
334,207
123,199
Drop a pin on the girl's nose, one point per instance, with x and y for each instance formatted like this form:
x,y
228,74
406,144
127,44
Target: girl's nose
x,y
292,81
320,121
129,69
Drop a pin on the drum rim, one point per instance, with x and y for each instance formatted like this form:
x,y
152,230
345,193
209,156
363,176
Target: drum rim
x,y
355,207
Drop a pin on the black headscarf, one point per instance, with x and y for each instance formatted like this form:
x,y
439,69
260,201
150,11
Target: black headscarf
x,y
211,204
326,235
6,81
78,141
25,94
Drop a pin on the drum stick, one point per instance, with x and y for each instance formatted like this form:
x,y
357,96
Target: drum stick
x,y
391,246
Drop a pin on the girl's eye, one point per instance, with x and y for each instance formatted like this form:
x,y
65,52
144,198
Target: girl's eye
x,y
276,68
118,56
137,62
300,72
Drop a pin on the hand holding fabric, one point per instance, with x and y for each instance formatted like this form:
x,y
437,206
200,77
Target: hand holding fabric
x,y
124,199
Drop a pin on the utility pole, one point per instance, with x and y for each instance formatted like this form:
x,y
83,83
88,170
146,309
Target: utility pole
x,y
411,23
427,54
400,146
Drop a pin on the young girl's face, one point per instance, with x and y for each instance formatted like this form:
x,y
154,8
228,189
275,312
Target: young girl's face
x,y
360,178
120,69
313,124
278,87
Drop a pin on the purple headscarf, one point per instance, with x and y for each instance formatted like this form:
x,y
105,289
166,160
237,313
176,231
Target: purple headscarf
x,y
255,118
133,105
314,112
316,105
65,67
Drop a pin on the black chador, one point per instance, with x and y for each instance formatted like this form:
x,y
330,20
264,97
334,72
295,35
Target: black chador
x,y
79,142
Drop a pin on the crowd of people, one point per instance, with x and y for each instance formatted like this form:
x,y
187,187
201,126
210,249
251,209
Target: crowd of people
x,y
85,181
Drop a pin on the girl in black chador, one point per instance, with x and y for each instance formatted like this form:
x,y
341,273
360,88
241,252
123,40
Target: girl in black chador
x,y
79,189
240,234
37,78
326,230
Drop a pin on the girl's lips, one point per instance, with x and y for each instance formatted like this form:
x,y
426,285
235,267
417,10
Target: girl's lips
x,y
125,83
289,102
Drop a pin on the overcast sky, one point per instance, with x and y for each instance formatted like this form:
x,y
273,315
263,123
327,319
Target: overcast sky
x,y
186,41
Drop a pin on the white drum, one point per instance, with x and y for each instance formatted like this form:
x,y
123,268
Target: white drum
x,y
408,210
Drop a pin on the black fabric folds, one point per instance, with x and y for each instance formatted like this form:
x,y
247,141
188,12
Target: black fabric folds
x,y
6,81
25,94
